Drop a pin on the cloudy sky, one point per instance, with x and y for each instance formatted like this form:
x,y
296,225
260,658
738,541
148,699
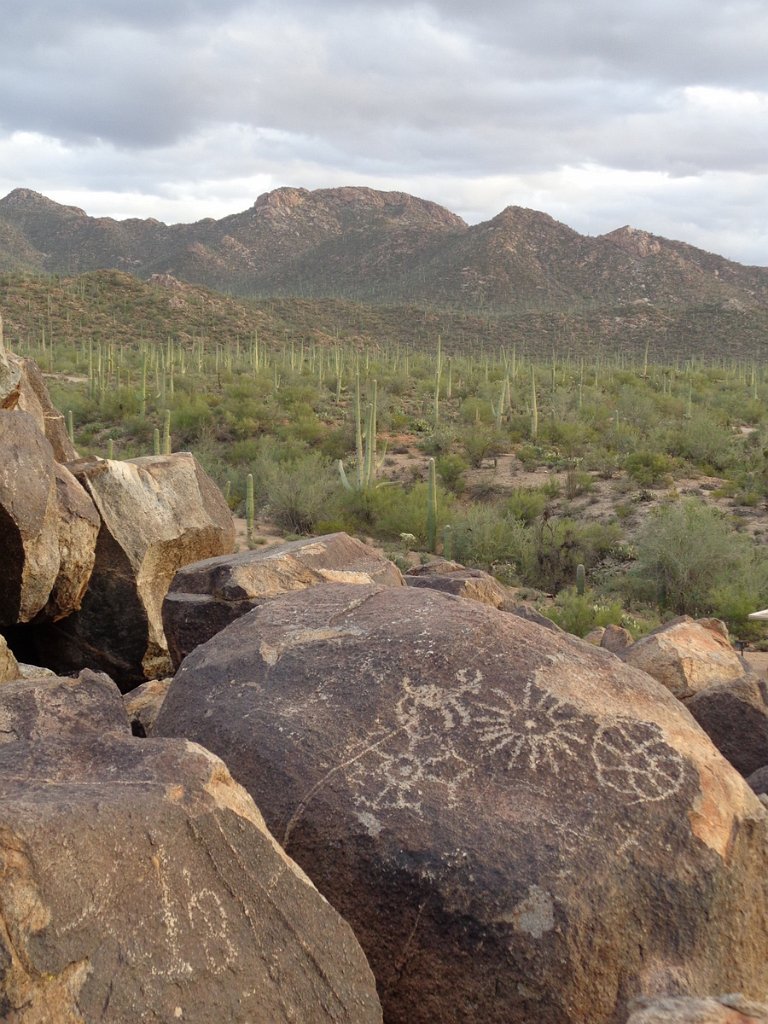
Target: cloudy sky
x,y
598,112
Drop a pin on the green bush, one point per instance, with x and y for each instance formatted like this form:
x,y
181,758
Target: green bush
x,y
298,494
648,468
526,503
688,553
581,613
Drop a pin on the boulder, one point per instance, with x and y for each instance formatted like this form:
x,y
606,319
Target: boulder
x,y
730,1009
139,882
78,528
23,387
735,717
29,519
595,636
158,513
616,639
9,667
452,578
518,826
206,596
758,780
143,704
686,656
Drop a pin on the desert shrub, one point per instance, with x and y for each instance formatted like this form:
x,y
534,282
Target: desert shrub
x,y
581,613
484,537
390,510
554,547
703,441
689,553
296,494
451,468
479,442
526,503
648,468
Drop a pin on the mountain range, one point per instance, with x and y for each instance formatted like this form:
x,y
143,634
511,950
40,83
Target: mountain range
x,y
386,248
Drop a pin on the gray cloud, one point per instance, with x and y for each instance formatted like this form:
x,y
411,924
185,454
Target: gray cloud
x,y
192,102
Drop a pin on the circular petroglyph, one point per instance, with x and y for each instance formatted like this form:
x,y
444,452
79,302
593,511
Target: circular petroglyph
x,y
633,759
531,729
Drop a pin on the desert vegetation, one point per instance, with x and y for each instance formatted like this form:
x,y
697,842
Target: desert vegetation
x,y
651,475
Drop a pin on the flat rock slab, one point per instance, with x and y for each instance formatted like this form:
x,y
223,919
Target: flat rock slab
x,y
206,596
519,827
139,883
686,656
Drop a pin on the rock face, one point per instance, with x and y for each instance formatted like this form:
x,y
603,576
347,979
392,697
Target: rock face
x,y
732,1009
206,596
686,656
482,799
78,528
139,882
29,520
615,639
157,514
735,717
143,704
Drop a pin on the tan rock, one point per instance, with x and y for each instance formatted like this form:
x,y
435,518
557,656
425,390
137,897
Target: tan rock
x,y
23,387
143,704
29,518
452,578
139,882
9,667
595,636
686,656
158,513
616,639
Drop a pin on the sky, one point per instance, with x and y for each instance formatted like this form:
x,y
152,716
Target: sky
x,y
600,113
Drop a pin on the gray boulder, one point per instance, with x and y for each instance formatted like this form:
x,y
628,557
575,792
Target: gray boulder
x,y
735,717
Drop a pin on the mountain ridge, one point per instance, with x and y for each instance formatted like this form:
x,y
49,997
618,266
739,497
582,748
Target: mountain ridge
x,y
366,245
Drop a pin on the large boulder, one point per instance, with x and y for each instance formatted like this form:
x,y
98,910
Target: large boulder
x,y
157,513
206,596
730,1009
139,882
686,656
29,519
519,827
735,717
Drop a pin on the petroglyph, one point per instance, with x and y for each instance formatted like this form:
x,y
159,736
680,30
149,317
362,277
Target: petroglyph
x,y
442,734
532,730
633,759
423,749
